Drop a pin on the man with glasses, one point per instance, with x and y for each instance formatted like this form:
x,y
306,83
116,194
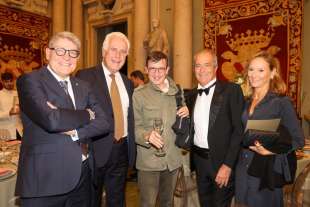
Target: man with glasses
x,y
215,107
59,114
158,158
114,91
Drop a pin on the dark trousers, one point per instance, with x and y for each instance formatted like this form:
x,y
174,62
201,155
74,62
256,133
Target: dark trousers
x,y
112,177
78,197
210,195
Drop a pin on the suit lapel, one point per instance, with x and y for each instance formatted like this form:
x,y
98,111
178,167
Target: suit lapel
x,y
78,93
53,85
216,103
103,87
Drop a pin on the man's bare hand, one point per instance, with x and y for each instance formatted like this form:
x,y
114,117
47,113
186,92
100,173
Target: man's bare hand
x,y
156,140
51,105
91,114
223,175
183,112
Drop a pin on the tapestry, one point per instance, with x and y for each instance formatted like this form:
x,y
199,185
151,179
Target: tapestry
x,y
238,29
23,39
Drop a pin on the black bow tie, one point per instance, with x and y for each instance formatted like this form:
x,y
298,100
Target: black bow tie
x,y
205,90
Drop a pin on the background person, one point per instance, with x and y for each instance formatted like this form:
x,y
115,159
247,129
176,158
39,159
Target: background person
x,y
10,123
137,78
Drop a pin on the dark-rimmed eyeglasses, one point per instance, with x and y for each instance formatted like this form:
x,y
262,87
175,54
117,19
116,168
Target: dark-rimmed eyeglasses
x,y
63,51
158,70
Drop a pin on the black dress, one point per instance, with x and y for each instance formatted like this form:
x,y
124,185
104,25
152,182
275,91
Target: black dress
x,y
248,190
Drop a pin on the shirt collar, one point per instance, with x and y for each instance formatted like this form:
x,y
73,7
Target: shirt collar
x,y
107,72
58,78
206,86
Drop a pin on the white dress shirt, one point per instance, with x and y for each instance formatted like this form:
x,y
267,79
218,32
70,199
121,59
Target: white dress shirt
x,y
201,116
71,94
123,93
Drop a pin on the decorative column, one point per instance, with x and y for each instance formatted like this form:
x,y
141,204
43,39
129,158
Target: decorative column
x,y
77,25
141,28
182,48
58,16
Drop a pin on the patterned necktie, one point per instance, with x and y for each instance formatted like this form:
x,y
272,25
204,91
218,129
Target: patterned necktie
x,y
205,90
64,85
117,109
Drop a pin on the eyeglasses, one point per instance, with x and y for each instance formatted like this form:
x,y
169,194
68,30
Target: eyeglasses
x,y
158,70
63,51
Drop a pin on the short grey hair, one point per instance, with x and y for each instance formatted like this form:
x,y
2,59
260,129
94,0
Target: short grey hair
x,y
65,35
109,36
206,51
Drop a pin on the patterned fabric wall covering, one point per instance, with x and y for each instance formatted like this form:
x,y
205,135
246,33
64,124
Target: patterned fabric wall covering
x,y
237,29
23,39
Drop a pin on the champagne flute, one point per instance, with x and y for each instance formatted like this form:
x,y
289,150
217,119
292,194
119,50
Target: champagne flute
x,y
158,126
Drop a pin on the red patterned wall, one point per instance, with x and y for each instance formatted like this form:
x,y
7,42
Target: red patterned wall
x,y
23,38
237,29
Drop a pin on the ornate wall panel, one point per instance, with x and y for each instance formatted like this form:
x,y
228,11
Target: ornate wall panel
x,y
23,38
237,29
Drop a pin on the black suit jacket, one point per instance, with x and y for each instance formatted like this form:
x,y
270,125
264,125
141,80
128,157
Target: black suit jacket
x,y
225,125
50,162
102,147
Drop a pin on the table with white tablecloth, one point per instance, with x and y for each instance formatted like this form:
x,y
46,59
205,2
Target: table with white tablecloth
x,y
7,189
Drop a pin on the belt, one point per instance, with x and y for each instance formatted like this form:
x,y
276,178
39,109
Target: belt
x,y
202,152
120,141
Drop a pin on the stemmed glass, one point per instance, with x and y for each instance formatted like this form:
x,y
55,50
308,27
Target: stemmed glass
x,y
158,126
3,148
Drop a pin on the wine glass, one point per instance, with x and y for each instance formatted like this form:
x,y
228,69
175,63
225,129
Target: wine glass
x,y
158,126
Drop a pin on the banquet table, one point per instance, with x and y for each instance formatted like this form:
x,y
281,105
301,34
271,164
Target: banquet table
x,y
8,161
7,188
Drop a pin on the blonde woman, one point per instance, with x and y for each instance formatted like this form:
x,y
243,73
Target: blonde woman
x,y
261,171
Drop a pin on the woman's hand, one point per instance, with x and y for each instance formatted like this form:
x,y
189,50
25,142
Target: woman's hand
x,y
260,149
183,112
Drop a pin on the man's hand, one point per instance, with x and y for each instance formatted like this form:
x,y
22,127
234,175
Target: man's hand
x,y
183,112
155,139
223,175
51,105
91,114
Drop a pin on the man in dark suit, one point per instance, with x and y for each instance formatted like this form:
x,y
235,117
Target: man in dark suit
x,y
215,109
113,153
59,114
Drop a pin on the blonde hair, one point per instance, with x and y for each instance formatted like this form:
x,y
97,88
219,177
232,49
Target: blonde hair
x,y
65,35
277,85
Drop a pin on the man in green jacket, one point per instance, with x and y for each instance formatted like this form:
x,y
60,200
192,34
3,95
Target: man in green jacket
x,y
158,159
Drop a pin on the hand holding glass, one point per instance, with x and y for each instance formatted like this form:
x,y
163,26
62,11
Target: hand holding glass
x,y
158,126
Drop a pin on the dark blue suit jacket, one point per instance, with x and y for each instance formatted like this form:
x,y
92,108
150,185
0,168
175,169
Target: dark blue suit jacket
x,y
50,162
102,147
